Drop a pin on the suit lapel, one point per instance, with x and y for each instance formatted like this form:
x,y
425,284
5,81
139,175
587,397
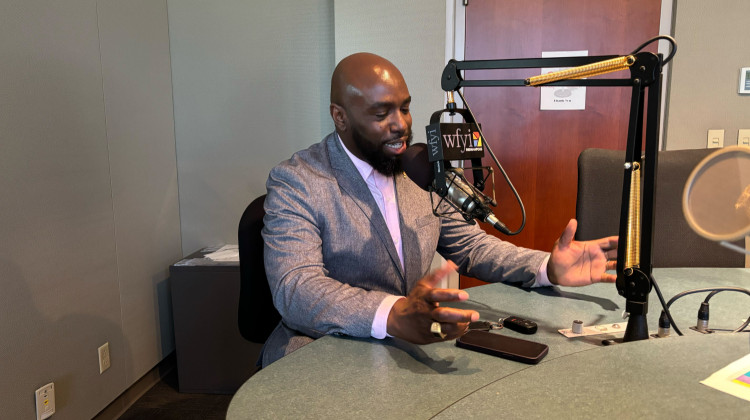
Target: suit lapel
x,y
354,186
409,239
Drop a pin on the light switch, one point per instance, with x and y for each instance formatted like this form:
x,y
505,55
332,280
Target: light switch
x,y
715,139
743,137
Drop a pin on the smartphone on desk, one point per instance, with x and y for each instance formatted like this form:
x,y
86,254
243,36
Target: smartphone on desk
x,y
503,346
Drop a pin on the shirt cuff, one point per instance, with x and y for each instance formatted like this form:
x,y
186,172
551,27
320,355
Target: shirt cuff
x,y
380,323
542,279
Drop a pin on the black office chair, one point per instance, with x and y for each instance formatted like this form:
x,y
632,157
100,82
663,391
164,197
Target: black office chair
x,y
257,317
600,175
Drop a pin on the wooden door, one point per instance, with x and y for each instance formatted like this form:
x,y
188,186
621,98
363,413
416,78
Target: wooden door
x,y
539,149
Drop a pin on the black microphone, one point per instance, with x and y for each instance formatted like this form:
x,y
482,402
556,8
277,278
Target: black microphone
x,y
460,193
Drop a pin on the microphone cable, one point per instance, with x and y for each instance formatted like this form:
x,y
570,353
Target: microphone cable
x,y
704,305
710,295
668,38
499,166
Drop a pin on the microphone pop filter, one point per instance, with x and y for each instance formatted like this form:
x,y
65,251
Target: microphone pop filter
x,y
716,199
417,166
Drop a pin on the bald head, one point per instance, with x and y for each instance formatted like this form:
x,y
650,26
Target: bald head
x,y
358,73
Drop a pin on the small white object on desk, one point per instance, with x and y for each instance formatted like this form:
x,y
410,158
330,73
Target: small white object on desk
x,y
577,327
617,327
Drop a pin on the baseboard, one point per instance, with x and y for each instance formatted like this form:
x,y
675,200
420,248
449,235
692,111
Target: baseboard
x,y
121,404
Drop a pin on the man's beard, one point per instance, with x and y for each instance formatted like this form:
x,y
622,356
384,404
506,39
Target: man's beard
x,y
374,155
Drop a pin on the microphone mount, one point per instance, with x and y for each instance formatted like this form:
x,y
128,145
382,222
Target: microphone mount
x,y
465,143
645,80
458,141
473,204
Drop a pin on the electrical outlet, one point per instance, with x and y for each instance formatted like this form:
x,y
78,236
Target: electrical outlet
x,y
715,139
45,401
104,361
743,137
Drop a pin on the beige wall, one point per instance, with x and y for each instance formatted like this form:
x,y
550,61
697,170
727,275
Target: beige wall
x,y
242,107
250,88
413,39
89,207
712,47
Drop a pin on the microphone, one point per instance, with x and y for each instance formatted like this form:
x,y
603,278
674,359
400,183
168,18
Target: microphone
x,y
460,193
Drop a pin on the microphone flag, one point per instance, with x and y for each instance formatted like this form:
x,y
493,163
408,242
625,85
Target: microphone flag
x,y
454,141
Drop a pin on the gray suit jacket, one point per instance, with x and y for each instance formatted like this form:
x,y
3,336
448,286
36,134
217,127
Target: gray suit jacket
x,y
330,259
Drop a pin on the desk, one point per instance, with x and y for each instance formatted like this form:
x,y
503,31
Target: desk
x,y
336,377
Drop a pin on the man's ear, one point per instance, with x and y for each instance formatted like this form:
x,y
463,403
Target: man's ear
x,y
339,117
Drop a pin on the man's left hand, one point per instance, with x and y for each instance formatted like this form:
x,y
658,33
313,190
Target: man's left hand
x,y
580,263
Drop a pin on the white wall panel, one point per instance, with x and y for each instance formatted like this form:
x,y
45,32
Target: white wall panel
x,y
90,221
251,86
136,71
59,296
410,34
712,47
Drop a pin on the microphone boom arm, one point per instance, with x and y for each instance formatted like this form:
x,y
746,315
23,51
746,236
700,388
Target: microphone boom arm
x,y
633,282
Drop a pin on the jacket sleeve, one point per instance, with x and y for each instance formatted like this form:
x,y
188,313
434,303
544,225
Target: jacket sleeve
x,y
486,257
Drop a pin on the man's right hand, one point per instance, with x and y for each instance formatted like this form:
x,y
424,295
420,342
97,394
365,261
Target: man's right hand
x,y
411,317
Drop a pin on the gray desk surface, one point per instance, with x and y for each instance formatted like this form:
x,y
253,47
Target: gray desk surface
x,y
337,377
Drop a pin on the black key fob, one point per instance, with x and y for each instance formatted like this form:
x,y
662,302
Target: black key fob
x,y
524,326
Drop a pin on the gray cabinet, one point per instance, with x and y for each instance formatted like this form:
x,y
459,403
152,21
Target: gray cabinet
x,y
212,356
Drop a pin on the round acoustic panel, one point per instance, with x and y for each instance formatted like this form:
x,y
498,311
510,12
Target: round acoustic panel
x,y
716,200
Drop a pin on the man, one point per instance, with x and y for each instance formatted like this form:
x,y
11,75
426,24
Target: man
x,y
349,239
